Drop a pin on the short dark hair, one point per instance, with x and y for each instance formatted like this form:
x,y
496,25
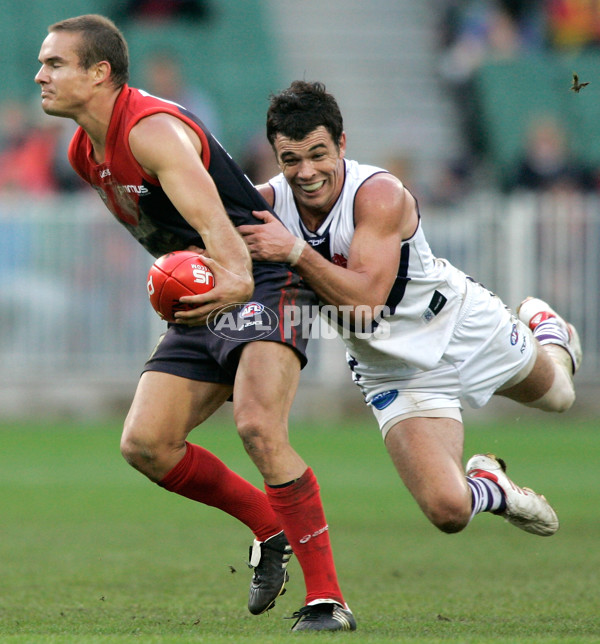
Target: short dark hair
x,y
300,109
101,40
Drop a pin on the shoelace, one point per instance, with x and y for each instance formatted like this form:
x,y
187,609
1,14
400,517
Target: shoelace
x,y
310,613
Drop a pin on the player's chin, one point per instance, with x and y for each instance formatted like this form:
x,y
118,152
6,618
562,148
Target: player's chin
x,y
53,107
52,110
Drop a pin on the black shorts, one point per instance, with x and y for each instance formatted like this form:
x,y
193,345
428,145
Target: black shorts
x,y
281,310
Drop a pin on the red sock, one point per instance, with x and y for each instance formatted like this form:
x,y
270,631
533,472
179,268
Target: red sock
x,y
202,477
300,511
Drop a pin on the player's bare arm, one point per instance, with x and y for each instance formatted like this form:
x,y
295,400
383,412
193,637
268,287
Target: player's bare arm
x,y
170,151
385,213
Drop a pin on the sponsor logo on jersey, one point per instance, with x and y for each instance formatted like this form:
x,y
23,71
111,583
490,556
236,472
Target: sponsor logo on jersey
x,y
438,301
104,173
428,315
339,260
317,241
514,335
384,399
137,190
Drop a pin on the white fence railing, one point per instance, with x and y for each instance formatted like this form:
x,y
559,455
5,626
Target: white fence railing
x,y
73,305
547,246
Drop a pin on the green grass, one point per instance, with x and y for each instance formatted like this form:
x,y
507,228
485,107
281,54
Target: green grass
x,y
91,552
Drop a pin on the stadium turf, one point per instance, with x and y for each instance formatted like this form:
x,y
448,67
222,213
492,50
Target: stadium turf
x,y
90,551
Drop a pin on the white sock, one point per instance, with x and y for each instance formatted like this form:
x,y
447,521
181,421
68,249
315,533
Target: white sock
x,y
551,331
486,495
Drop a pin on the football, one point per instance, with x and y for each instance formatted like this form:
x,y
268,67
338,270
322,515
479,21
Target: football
x,y
174,275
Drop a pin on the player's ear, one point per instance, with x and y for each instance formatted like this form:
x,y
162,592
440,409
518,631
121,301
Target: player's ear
x,y
342,145
101,71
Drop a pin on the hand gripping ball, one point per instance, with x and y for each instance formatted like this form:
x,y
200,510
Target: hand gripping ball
x,y
174,275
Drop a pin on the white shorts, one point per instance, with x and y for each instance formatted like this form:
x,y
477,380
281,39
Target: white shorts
x,y
489,349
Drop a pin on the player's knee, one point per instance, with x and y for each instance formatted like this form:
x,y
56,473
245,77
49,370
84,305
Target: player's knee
x,y
139,450
132,450
450,524
449,516
260,433
561,395
559,403
252,429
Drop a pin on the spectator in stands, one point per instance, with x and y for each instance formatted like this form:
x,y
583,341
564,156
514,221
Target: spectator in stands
x,y
257,160
476,32
13,123
161,10
31,151
548,163
27,153
66,179
163,77
573,23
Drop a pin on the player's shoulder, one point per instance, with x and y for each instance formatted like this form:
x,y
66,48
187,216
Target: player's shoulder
x,y
160,134
370,179
267,192
383,201
146,113
381,188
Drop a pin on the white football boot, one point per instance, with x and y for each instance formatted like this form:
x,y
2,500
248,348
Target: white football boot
x,y
524,508
549,328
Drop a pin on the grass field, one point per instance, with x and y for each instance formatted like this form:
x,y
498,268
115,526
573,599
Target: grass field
x,y
92,552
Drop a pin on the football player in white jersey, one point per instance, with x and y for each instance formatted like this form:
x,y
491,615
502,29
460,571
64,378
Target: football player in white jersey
x,y
438,338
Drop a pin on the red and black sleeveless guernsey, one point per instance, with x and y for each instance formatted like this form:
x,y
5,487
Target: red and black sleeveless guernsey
x,y
140,204
136,199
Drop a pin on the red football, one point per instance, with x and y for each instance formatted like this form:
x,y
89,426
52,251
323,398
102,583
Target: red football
x,y
174,275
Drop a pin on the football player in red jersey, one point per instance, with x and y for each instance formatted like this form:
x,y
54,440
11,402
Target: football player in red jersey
x,y
168,181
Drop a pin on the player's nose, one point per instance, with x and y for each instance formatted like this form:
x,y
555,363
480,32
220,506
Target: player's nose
x,y
41,76
306,169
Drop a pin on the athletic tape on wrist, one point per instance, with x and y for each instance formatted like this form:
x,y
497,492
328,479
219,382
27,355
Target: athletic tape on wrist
x,y
296,251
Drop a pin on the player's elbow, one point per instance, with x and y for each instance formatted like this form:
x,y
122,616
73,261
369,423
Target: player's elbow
x,y
365,314
249,288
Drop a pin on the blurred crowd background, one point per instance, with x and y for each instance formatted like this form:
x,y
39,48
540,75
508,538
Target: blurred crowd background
x,y
469,102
